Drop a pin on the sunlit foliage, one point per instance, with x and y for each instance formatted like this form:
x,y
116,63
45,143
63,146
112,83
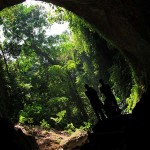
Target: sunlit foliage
x,y
46,73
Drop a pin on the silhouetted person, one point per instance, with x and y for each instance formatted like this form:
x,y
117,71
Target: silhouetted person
x,y
110,104
95,102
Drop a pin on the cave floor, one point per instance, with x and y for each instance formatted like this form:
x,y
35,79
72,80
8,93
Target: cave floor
x,y
55,140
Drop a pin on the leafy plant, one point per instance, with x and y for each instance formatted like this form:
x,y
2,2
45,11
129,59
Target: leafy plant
x,y
22,119
60,119
44,124
87,126
70,128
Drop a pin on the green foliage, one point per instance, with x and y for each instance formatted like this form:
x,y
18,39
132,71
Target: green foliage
x,y
59,117
134,95
70,65
48,72
55,71
124,82
70,128
44,124
133,99
22,119
87,126
120,78
30,114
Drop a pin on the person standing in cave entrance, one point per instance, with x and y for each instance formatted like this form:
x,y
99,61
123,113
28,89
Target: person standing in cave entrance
x,y
97,105
110,104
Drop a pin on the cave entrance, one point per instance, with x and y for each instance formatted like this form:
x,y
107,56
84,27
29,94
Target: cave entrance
x,y
54,68
51,87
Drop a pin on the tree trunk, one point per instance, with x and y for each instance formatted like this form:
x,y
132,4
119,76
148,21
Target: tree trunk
x,y
4,96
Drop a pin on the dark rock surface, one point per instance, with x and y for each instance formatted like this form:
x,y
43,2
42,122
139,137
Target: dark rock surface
x,y
123,132
15,139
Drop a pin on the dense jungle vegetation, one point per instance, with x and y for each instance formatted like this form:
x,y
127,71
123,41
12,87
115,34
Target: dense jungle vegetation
x,y
44,75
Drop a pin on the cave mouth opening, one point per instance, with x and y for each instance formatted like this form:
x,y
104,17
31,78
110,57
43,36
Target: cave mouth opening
x,y
86,60
106,60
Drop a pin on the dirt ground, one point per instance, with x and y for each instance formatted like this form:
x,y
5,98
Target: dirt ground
x,y
55,140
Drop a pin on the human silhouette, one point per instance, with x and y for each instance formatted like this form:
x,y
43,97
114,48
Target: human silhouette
x,y
110,104
97,105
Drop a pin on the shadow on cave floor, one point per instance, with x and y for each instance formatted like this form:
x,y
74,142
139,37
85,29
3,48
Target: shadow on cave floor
x,y
123,132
